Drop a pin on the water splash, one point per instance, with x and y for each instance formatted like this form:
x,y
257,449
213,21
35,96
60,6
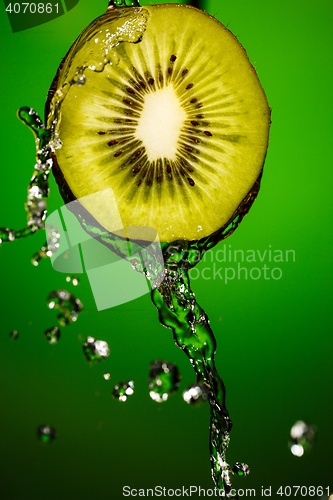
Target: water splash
x,y
38,189
164,379
95,350
173,298
106,376
52,335
67,303
179,311
46,433
122,390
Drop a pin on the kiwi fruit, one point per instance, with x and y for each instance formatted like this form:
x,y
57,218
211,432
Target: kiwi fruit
x,y
162,118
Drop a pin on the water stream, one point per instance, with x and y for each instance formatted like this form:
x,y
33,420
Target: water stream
x,y
178,310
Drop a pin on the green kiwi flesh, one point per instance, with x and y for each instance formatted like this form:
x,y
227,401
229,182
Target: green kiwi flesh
x,y
170,132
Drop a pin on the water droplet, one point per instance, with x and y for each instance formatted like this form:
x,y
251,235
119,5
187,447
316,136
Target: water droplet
x,y
46,433
107,376
73,279
68,305
241,469
122,390
95,350
79,79
14,335
164,379
195,395
52,335
297,450
302,438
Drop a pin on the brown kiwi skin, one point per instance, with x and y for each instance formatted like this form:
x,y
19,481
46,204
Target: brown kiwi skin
x,y
65,191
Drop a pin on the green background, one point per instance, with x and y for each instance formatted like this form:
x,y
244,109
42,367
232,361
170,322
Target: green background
x,y
274,337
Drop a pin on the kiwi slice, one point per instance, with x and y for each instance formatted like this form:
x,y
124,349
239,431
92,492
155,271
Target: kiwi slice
x,y
162,117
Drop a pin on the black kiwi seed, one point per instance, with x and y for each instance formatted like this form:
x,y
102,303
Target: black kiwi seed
x,y
151,81
148,181
190,86
173,58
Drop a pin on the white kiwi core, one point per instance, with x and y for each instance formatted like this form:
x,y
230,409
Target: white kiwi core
x,y
160,123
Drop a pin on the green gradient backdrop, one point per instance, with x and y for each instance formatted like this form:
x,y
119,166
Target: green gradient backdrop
x,y
274,337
